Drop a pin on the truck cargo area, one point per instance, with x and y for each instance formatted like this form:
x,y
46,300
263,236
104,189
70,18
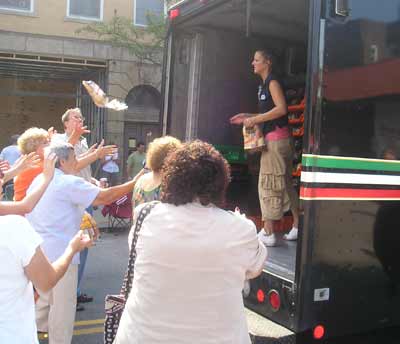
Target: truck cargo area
x,y
212,80
337,63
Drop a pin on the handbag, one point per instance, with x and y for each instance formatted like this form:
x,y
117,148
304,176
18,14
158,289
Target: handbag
x,y
115,304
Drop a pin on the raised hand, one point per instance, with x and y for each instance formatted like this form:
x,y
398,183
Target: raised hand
x,y
78,131
51,132
238,119
4,166
92,148
80,241
31,160
49,166
102,150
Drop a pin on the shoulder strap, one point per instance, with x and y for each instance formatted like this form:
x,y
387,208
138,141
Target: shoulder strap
x,y
269,79
128,279
274,77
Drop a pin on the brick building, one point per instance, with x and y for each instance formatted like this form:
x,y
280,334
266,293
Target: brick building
x,y
43,61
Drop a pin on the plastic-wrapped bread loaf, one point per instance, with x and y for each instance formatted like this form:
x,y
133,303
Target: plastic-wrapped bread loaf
x,y
87,224
87,221
100,98
253,139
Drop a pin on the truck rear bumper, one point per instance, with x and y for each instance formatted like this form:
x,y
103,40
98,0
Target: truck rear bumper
x,y
265,331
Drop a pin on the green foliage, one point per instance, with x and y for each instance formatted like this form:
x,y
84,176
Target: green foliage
x,y
145,43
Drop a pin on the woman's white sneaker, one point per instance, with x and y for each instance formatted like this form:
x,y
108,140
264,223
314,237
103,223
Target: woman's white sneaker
x,y
292,235
267,240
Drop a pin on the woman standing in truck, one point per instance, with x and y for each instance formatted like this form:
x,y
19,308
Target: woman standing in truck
x,y
275,189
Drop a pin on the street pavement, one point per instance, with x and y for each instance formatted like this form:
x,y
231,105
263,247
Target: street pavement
x,y
105,269
104,272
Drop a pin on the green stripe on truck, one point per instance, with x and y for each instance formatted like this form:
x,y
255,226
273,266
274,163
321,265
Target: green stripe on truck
x,y
322,161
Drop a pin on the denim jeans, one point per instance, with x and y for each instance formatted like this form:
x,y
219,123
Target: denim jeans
x,y
82,259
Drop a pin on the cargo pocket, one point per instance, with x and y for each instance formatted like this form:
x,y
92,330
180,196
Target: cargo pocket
x,y
272,188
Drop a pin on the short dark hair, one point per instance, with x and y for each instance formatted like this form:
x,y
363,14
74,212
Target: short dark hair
x,y
268,55
140,143
14,139
195,171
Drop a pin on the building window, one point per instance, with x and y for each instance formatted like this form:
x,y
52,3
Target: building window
x,y
87,9
145,7
17,5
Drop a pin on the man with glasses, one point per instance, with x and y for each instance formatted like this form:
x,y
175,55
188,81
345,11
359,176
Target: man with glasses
x,y
73,121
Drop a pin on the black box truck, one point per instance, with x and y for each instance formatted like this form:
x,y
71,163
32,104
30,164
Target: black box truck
x,y
339,62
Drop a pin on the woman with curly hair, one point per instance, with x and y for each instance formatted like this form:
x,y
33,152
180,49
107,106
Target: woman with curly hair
x,y
148,187
192,258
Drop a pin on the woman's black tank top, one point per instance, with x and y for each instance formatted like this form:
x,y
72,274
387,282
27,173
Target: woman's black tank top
x,y
266,103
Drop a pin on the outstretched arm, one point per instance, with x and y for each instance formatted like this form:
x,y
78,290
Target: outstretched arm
x,y
106,196
29,202
24,162
98,153
45,275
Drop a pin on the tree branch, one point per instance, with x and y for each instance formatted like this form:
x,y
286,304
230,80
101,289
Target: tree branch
x,y
146,44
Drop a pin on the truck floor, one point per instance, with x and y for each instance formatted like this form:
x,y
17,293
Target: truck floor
x,y
281,259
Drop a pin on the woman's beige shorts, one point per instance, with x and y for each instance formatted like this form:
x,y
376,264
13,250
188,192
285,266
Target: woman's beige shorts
x,y
275,188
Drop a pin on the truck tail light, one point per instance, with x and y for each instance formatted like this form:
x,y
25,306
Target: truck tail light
x,y
274,300
260,296
319,332
174,13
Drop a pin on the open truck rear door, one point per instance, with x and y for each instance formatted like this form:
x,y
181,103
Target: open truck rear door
x,y
343,280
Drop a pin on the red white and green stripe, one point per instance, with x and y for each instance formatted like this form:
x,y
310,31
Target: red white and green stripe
x,y
345,178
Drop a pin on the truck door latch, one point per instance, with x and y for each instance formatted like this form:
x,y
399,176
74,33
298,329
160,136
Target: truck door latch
x,y
342,8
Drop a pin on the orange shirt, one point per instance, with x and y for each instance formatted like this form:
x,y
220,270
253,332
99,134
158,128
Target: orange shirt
x,y
24,180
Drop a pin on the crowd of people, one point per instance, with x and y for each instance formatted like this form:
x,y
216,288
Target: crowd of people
x,y
191,256
186,243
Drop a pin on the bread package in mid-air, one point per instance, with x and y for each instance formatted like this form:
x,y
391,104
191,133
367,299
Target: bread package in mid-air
x,y
100,98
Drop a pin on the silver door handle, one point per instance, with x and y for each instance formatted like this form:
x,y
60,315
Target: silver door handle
x,y
342,8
